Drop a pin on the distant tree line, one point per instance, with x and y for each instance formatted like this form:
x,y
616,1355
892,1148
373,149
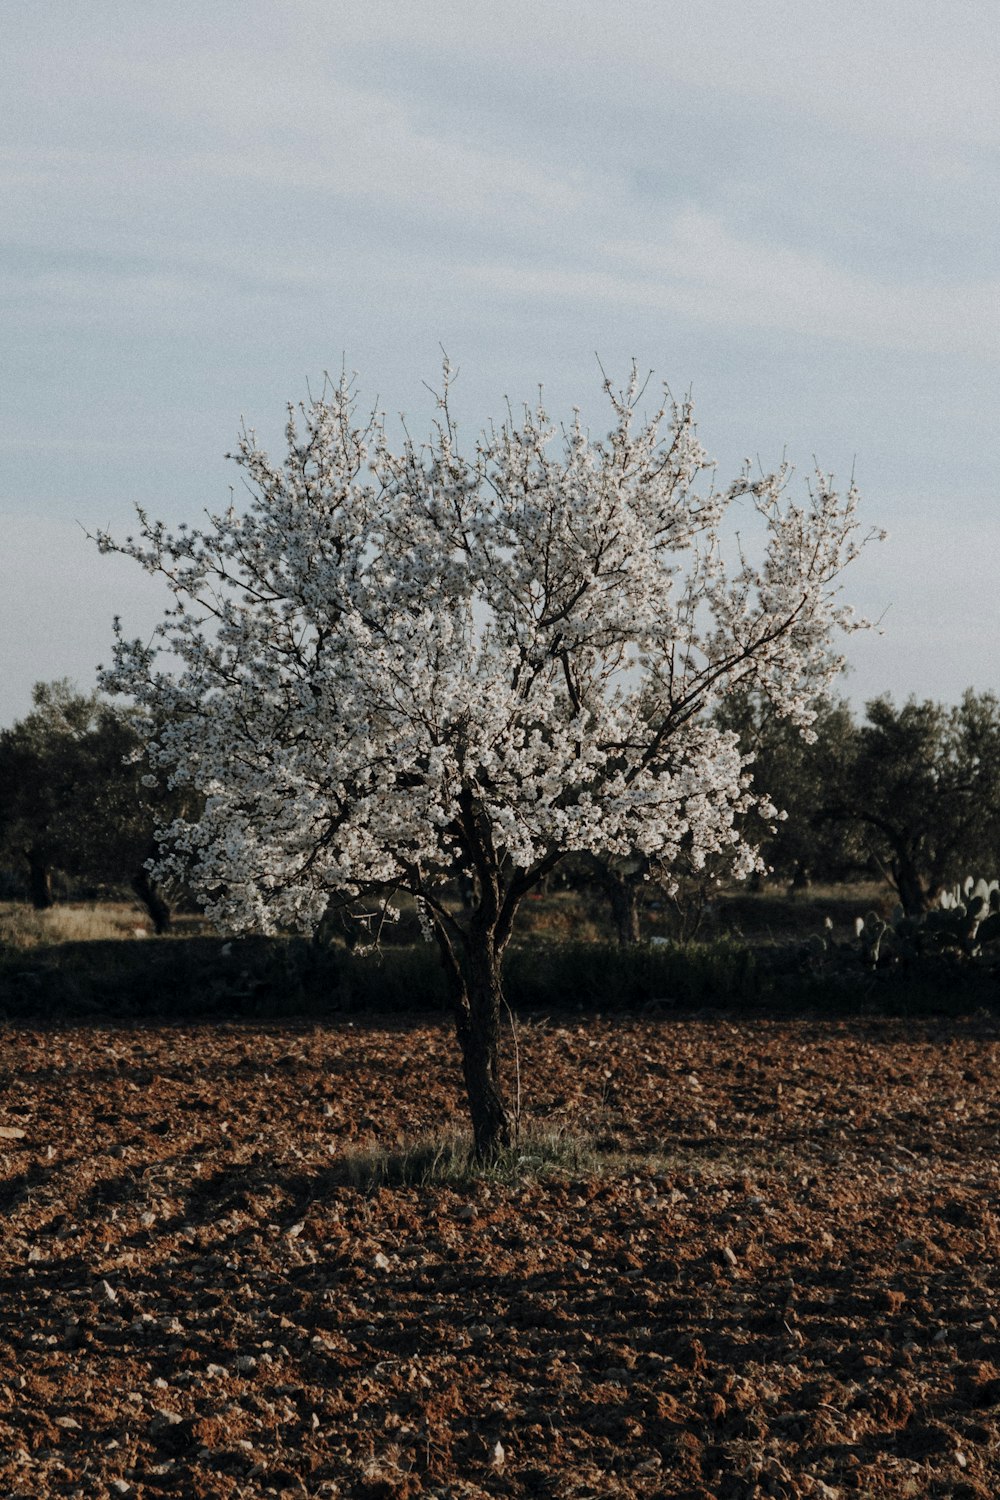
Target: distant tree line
x,y
910,794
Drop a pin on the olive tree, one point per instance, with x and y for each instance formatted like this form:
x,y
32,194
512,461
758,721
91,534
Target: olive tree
x,y
71,797
801,776
402,661
46,763
921,787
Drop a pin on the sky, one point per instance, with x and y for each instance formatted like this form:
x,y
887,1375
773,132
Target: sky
x,y
789,210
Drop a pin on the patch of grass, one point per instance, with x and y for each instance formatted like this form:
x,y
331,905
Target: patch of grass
x,y
772,915
446,1159
565,916
23,928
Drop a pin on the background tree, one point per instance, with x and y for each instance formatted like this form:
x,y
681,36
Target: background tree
x,y
805,842
396,663
923,785
71,796
621,880
40,763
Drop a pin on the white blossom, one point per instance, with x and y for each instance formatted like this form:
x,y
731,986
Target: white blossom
x,y
396,658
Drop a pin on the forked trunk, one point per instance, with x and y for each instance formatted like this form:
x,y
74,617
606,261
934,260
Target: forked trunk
x,y
472,952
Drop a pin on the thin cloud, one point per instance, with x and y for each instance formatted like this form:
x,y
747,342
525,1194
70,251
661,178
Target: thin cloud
x,y
353,143
907,70
704,271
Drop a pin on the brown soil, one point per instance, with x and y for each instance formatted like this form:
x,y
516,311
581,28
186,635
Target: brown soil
x,y
796,1293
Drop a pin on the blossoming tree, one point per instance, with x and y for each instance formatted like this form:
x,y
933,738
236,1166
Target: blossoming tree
x,y
400,662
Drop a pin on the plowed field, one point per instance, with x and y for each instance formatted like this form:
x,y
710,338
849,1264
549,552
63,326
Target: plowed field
x,y
781,1279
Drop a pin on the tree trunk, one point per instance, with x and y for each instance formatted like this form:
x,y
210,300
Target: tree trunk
x,y
39,879
623,895
912,890
479,1027
476,984
151,899
621,883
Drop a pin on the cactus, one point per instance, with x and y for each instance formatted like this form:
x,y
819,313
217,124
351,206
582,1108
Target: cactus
x,y
870,931
966,919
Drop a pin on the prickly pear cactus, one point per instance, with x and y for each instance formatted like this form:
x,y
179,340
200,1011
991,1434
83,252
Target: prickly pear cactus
x,y
965,922
870,931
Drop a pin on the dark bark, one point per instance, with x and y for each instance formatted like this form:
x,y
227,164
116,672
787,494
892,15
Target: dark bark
x,y
39,879
152,900
623,894
472,947
479,1031
472,960
914,893
622,888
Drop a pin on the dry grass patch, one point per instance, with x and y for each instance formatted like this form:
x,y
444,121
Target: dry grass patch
x,y
542,1151
446,1158
22,927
